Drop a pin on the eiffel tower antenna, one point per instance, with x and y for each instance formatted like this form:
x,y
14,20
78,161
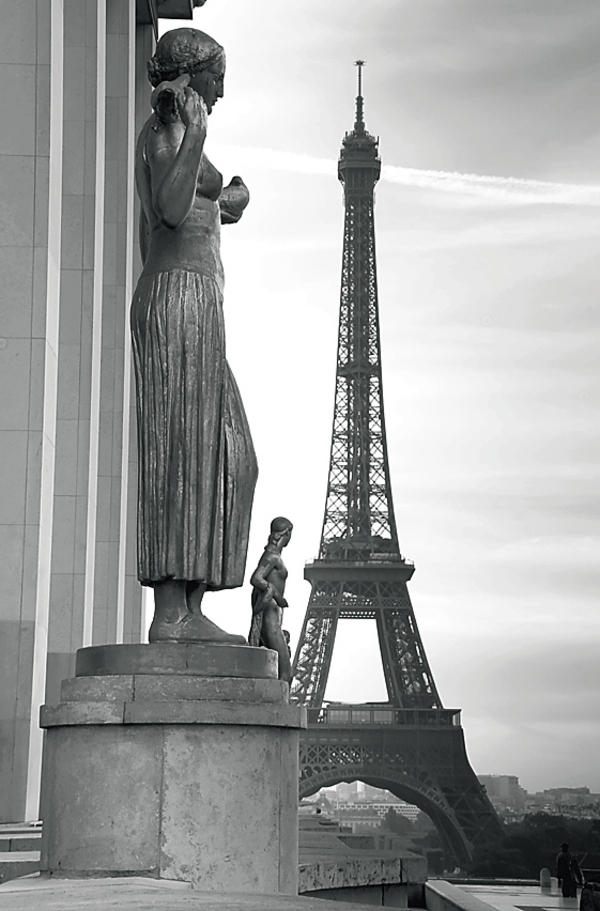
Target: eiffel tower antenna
x,y
410,744
359,120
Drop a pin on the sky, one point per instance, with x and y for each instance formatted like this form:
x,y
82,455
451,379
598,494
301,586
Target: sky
x,y
488,249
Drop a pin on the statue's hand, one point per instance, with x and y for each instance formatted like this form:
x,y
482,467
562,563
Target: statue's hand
x,y
168,98
233,200
193,111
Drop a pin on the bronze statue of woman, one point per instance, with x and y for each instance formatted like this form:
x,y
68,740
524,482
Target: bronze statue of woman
x,y
268,582
197,467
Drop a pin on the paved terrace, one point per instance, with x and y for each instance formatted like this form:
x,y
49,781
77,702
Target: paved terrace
x,y
444,896
520,898
139,894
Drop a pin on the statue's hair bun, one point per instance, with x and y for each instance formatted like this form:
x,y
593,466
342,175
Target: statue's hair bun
x,y
184,50
154,71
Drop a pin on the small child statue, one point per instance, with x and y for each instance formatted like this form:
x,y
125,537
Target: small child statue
x,y
268,585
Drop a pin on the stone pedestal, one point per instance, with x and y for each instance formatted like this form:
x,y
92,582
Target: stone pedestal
x,y
174,761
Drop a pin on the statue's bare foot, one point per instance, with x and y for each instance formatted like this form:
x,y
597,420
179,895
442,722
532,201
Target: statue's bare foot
x,y
192,628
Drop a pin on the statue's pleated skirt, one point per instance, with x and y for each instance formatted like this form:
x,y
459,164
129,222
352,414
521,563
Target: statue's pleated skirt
x,y
197,466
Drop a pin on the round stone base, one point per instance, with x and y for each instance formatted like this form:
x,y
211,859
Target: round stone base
x,y
180,776
204,660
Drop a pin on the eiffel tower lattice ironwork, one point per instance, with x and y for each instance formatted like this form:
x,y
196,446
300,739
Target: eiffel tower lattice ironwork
x,y
410,744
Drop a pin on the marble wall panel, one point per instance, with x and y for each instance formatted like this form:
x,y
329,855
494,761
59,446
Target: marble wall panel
x,y
117,17
34,467
16,192
116,71
42,8
80,545
16,264
83,448
65,475
70,306
72,231
89,152
17,136
76,60
42,107
39,293
62,537
36,383
29,585
75,13
40,203
13,478
103,509
89,232
77,615
61,609
107,402
69,376
109,317
60,665
73,156
12,539
18,32
15,363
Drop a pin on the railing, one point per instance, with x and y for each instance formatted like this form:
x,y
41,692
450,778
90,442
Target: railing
x,y
382,715
359,557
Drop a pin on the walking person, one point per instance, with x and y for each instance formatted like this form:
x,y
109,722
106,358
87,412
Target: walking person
x,y
568,872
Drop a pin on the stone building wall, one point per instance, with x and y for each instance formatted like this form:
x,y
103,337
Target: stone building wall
x,y
74,94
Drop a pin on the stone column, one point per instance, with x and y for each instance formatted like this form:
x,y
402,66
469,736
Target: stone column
x,y
176,762
75,81
30,198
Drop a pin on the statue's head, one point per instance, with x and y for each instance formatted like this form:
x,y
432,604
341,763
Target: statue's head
x,y
281,528
188,51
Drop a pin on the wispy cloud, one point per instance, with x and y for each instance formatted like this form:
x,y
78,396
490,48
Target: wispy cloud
x,y
507,189
510,190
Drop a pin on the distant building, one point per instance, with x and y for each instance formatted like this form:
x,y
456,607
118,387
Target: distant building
x,y
360,806
579,803
504,791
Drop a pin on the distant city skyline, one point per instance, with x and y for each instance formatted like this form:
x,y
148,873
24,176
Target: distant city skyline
x,y
488,234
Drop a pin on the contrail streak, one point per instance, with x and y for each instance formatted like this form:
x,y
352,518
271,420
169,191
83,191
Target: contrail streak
x,y
514,190
507,189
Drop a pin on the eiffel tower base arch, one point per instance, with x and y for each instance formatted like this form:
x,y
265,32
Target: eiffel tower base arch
x,y
428,768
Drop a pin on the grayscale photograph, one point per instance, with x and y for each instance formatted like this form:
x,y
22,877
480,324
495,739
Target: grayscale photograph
x,y
299,455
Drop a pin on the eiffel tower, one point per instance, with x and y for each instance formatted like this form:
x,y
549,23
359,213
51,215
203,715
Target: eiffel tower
x,y
411,744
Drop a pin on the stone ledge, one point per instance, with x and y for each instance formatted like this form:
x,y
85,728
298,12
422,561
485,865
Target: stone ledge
x,y
351,871
211,712
192,659
172,687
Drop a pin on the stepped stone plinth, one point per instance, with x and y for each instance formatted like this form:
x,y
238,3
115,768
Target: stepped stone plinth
x,y
176,761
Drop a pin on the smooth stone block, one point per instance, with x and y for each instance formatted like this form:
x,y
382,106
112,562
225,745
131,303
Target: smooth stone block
x,y
81,713
101,795
204,660
190,711
97,689
213,804
166,687
172,687
205,712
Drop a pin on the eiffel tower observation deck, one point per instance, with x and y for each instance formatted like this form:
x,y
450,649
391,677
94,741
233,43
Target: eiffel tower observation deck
x,y
411,744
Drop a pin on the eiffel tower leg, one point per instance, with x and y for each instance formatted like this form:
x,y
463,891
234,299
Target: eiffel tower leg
x,y
313,657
